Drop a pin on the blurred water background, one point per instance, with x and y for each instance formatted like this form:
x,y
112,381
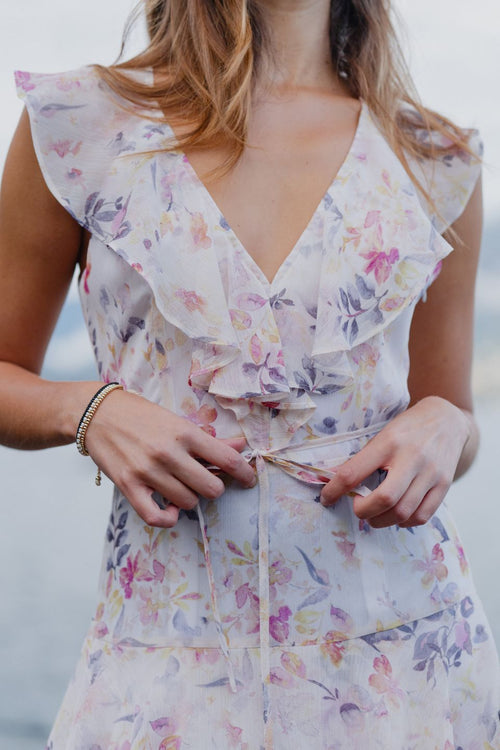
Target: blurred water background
x,y
53,517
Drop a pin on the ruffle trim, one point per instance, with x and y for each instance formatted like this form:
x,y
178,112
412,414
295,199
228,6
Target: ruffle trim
x,y
103,165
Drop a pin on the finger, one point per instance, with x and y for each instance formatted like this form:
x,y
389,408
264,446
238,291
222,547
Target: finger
x,y
142,500
180,491
387,495
219,454
238,443
355,470
406,506
193,477
427,508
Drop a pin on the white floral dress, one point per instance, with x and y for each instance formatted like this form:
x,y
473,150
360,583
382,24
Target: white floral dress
x,y
263,620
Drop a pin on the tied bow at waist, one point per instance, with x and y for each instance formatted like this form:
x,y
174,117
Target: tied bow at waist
x,y
287,459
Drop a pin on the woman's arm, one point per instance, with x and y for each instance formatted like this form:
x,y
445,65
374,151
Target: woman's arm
x,y
39,248
436,438
441,339
142,447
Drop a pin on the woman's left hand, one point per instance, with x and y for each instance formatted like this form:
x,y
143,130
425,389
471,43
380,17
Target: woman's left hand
x,y
420,449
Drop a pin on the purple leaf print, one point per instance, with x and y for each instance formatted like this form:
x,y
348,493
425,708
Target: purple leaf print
x,y
234,548
317,596
462,636
122,551
249,368
222,682
105,215
133,643
301,381
250,301
384,635
364,290
98,206
90,202
49,109
480,635
354,331
345,301
426,645
352,716
180,623
276,375
436,523
242,595
353,298
341,620
312,569
466,607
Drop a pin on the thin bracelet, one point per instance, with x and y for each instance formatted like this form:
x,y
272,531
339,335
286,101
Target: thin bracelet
x,y
87,417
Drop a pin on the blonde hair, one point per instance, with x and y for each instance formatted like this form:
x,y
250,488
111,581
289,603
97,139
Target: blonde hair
x,y
209,52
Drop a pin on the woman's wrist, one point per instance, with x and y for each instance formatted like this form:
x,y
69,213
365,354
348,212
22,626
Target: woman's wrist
x,y
464,429
72,398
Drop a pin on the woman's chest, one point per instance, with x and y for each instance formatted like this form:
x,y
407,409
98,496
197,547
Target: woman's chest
x,y
273,193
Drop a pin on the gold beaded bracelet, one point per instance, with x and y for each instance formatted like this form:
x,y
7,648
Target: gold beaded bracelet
x,y
87,417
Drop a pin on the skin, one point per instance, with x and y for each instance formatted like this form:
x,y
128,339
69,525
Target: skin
x,y
301,127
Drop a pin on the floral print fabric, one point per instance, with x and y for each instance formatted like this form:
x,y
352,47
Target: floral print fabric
x,y
264,620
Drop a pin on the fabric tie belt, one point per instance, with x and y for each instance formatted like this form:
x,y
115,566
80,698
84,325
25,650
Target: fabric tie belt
x,y
305,472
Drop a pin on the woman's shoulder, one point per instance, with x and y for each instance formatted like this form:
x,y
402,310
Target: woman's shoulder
x,y
78,127
449,177
31,85
448,171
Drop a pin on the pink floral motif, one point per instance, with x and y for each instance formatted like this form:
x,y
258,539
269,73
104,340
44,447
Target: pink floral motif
x,y
383,681
279,574
293,664
85,277
462,636
199,231
164,726
75,175
23,80
434,566
282,678
244,595
149,609
166,185
380,263
207,655
333,647
65,83
136,569
464,565
202,416
278,625
234,736
392,303
65,147
191,300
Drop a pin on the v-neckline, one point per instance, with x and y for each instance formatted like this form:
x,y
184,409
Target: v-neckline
x,y
257,271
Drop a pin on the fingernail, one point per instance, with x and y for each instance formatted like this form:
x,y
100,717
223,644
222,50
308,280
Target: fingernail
x,y
253,483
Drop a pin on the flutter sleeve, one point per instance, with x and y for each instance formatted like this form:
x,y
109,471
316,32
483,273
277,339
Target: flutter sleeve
x,y
449,179
70,117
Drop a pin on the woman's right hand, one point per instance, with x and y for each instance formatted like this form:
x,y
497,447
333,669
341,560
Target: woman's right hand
x,y
145,449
